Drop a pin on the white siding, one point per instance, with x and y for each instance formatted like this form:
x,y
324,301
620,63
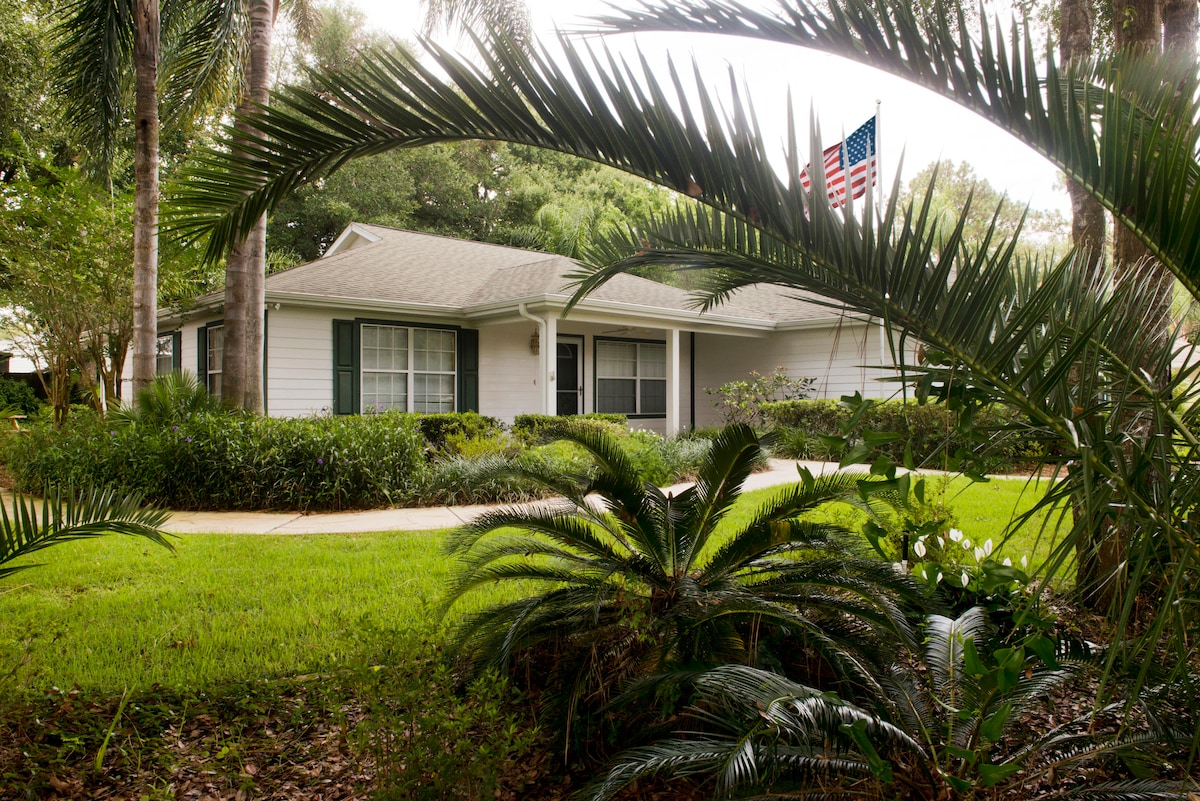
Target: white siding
x,y
300,366
299,361
835,357
508,371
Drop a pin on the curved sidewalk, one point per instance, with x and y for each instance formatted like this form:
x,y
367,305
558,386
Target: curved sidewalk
x,y
780,471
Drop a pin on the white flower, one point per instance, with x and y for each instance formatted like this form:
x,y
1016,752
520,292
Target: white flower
x,y
966,544
956,535
1024,562
1007,562
979,554
987,546
919,547
966,578
938,580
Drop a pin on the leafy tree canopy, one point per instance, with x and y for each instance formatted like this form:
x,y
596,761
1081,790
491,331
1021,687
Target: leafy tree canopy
x,y
1044,231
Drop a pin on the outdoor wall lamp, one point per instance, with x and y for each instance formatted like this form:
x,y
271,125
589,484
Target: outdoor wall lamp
x,y
535,343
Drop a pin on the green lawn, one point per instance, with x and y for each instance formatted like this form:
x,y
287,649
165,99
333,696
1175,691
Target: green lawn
x,y
981,510
118,612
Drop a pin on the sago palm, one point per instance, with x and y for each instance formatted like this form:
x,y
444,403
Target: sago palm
x,y
947,726
1066,344
66,516
624,581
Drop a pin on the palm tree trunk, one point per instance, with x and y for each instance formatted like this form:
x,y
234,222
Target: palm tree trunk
x,y
145,170
1181,20
1137,27
246,266
1087,215
1088,222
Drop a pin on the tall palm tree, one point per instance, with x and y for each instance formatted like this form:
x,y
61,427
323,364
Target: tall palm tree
x,y
645,582
245,267
99,43
1068,346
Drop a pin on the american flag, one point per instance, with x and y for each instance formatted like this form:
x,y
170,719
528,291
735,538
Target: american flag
x,y
850,162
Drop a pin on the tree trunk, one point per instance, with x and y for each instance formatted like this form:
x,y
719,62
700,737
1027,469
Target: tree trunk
x,y
1137,28
246,267
145,171
1088,223
1087,215
1181,20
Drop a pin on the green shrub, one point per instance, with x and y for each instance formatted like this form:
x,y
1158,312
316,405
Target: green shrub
x,y
18,395
931,431
744,400
534,428
224,461
440,427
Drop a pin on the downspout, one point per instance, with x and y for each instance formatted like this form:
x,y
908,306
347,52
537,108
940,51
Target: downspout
x,y
543,349
692,391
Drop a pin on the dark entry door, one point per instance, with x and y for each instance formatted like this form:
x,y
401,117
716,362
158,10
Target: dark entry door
x,y
570,384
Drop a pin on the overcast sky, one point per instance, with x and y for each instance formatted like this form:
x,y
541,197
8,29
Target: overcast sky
x,y
913,122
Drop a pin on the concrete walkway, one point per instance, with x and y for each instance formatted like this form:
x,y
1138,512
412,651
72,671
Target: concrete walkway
x,y
780,471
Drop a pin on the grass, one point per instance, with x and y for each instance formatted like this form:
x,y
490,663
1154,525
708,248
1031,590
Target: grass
x,y
118,612
260,662
981,510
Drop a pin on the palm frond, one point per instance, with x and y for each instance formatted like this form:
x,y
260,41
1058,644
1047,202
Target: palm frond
x,y
66,516
1138,162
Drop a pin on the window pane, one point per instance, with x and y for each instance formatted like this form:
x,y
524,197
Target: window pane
x,y
216,348
382,391
652,361
433,350
164,354
433,393
616,395
616,359
384,347
654,397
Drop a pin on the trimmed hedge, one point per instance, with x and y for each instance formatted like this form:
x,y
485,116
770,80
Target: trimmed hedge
x,y
533,428
930,430
230,461
220,460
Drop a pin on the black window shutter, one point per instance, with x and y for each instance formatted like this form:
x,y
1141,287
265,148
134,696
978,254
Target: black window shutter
x,y
202,355
468,371
177,351
345,367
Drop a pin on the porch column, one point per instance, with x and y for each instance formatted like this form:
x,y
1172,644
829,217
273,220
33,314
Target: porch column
x,y
550,373
673,376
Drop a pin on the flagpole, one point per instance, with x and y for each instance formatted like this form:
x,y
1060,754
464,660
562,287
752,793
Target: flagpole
x,y
878,176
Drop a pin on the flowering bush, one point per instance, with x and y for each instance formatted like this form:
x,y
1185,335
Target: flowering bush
x,y
745,400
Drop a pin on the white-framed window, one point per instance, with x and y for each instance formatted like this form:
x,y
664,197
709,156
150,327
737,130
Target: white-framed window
x,y
216,351
631,377
412,369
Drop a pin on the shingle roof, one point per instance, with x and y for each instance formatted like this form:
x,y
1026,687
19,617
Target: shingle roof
x,y
416,268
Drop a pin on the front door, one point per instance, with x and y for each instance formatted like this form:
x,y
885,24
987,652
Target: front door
x,y
569,369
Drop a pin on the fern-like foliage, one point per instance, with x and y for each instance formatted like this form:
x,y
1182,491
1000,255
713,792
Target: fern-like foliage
x,y
64,516
625,582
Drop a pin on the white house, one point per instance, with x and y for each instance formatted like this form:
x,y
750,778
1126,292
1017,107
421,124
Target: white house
x,y
395,319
